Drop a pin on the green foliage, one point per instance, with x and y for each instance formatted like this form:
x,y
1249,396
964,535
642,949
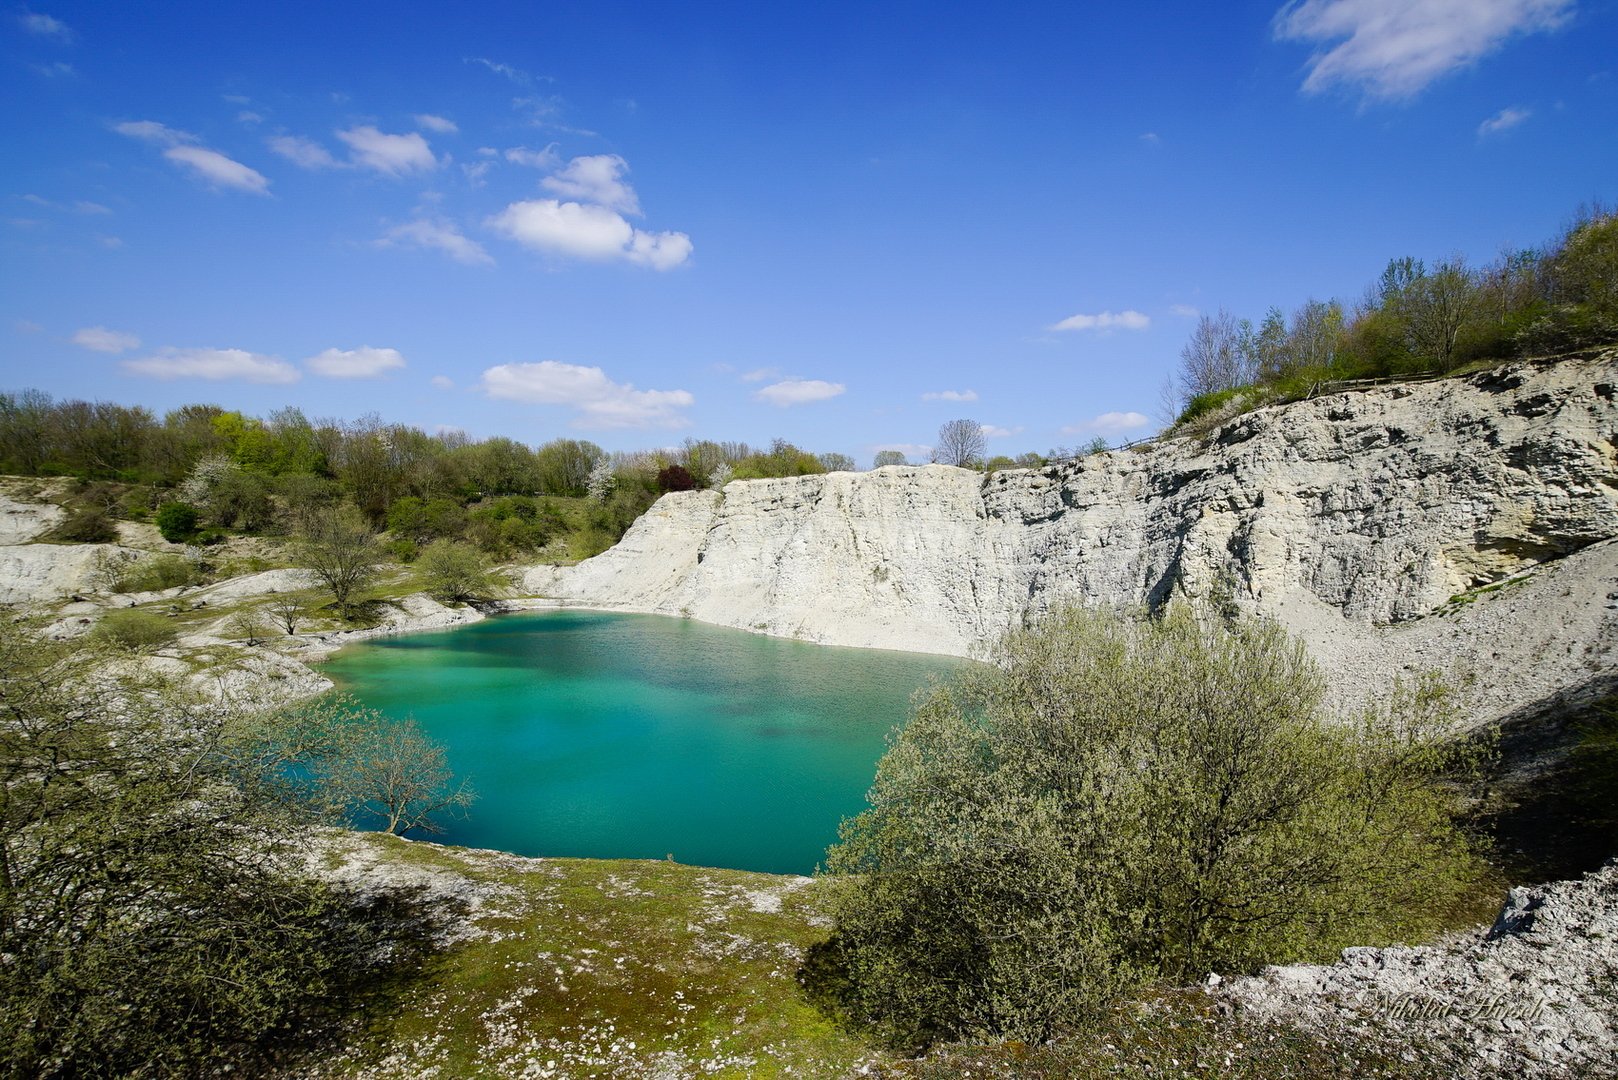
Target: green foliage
x,y
134,629
449,570
1205,403
424,520
354,765
87,525
155,919
342,550
781,459
177,522
1118,801
155,573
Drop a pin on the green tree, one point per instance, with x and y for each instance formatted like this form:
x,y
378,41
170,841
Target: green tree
x,y
888,457
339,546
1115,801
449,570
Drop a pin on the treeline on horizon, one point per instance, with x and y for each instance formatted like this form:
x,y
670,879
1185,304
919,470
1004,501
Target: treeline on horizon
x,y
1414,320
247,474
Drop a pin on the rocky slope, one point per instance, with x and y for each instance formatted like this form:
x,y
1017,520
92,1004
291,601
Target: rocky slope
x,y
1354,518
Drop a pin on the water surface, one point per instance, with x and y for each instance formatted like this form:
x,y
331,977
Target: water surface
x,y
639,736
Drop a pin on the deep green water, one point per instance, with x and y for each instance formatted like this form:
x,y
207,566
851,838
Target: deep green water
x,y
639,736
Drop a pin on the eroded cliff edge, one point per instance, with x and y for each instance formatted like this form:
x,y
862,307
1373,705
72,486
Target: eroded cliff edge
x,y
1366,521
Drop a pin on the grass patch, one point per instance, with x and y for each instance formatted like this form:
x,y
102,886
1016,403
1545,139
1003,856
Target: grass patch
x,y
612,968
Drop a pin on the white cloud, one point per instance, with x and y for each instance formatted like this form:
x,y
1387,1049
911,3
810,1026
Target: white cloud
x,y
216,364
1106,320
1394,48
760,374
216,168
598,401
209,165
516,75
45,26
589,232
443,382
1504,120
441,235
595,179
394,155
302,152
429,122
546,159
58,69
84,206
1185,311
798,392
361,363
950,395
111,242
994,431
248,116
1151,138
152,131
1108,423
100,339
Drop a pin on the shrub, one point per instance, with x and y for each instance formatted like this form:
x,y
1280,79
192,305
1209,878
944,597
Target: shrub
x,y
177,521
155,573
1119,801
675,478
449,570
87,525
135,630
1203,404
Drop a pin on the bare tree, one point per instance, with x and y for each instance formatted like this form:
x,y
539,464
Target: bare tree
x,y
1438,305
341,549
960,443
288,609
1214,358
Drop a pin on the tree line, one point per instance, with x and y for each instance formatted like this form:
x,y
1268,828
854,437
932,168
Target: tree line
x,y
1414,319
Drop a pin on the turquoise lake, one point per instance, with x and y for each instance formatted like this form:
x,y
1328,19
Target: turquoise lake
x,y
607,735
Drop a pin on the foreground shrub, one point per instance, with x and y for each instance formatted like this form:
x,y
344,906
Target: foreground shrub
x,y
1115,802
134,629
177,522
87,525
155,916
155,573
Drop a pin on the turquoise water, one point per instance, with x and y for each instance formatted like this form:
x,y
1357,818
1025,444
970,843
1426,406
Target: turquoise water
x,y
640,736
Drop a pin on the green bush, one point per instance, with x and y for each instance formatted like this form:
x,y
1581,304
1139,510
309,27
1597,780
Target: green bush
x,y
155,573
1206,403
1114,802
135,630
177,522
87,525
449,570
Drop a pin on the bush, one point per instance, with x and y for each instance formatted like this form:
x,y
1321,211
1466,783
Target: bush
x,y
154,574
452,571
1203,404
675,478
87,525
1117,801
134,629
177,521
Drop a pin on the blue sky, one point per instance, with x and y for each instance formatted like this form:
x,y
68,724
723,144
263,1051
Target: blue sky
x,y
841,224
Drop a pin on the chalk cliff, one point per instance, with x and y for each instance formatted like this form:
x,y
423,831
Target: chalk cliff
x,y
1367,521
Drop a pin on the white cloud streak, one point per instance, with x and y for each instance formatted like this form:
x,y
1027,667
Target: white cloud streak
x,y
302,152
217,169
213,364
361,363
582,231
100,339
210,166
1109,424
597,401
1504,120
44,26
440,236
995,431
441,125
1106,320
1392,49
950,395
392,155
790,392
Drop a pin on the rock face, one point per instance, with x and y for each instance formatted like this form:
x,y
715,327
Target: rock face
x,y
1529,997
1354,518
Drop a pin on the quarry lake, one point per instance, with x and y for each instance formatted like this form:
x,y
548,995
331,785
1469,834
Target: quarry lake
x,y
607,735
